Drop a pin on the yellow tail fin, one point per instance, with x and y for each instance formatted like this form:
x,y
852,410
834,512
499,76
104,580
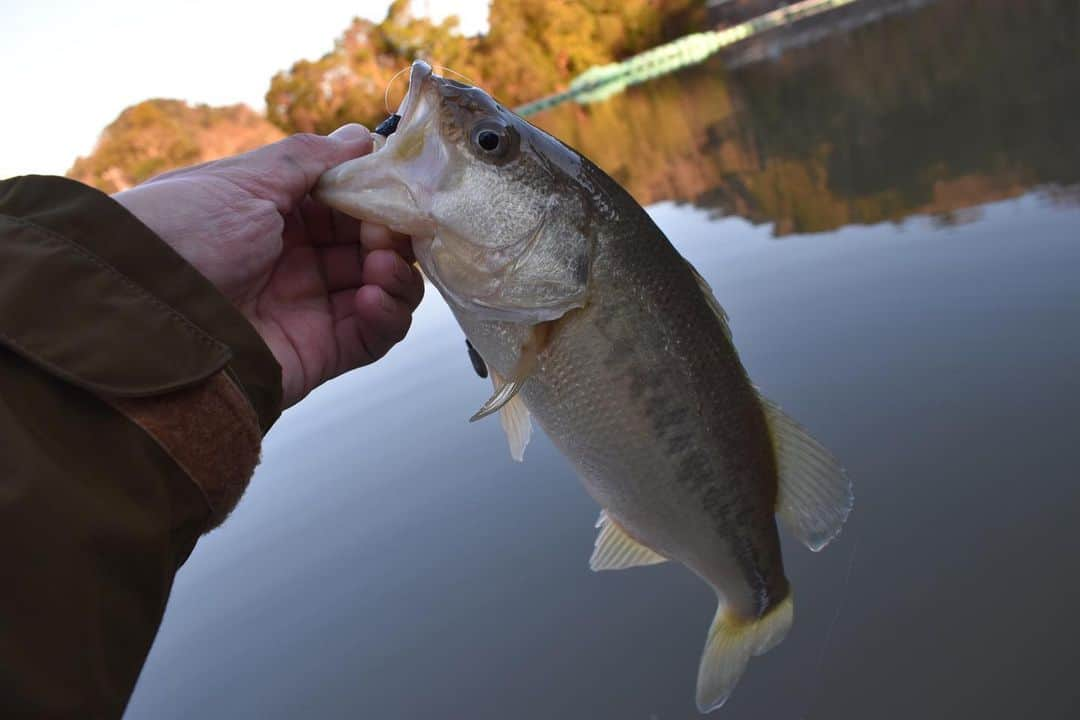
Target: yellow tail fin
x,y
732,641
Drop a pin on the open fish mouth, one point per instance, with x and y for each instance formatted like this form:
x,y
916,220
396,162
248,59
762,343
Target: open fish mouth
x,y
411,106
394,183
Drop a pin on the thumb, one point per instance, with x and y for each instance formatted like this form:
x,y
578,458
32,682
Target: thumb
x,y
284,172
352,132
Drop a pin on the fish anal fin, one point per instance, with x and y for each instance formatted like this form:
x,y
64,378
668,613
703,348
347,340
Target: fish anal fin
x,y
515,419
731,642
615,550
815,495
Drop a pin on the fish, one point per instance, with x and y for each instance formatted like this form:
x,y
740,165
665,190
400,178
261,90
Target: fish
x,y
592,324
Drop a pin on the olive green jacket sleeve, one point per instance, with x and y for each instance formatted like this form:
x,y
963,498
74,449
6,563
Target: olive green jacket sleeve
x,y
132,400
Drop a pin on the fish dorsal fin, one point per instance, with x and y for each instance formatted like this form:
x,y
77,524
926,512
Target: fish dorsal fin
x,y
515,420
615,550
710,298
815,496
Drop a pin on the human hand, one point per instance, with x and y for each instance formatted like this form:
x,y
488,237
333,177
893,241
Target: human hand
x,y
326,292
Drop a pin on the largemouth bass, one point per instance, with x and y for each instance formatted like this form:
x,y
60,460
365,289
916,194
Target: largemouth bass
x,y
592,323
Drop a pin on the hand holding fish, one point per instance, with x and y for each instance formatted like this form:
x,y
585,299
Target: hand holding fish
x,y
328,293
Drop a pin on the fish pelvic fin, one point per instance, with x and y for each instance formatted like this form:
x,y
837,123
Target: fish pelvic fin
x,y
615,550
815,495
495,403
515,419
731,642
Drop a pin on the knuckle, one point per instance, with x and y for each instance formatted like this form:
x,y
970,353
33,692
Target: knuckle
x,y
403,328
302,143
396,325
295,148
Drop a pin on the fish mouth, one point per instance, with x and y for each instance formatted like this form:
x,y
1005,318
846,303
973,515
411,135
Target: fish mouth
x,y
393,184
419,77
420,73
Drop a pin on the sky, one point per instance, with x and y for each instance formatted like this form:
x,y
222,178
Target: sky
x,y
71,66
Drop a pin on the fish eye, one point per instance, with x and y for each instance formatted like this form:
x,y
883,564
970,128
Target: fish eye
x,y
488,140
494,141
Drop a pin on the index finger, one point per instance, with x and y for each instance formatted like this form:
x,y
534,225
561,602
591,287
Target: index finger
x,y
379,237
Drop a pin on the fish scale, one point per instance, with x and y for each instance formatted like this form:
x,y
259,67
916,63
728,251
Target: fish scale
x,y
607,417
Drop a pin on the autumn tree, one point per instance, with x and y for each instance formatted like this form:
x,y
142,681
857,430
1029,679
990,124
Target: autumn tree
x,y
158,135
348,83
532,48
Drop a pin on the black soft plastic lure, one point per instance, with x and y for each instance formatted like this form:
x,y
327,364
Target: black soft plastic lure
x,y
478,363
387,127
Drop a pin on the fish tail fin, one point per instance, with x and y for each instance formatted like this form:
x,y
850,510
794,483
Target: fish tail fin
x,y
731,642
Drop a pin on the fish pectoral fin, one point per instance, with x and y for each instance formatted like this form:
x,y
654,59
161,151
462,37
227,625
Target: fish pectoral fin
x,y
815,495
731,642
528,360
615,550
515,420
710,298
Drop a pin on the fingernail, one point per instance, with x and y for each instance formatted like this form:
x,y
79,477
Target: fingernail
x,y
351,132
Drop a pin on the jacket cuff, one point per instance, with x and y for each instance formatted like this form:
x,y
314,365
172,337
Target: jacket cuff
x,y
99,300
210,431
93,297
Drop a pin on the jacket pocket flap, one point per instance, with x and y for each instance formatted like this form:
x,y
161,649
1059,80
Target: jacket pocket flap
x,y
71,313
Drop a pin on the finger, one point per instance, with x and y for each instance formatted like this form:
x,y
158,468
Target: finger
x,y
342,266
285,171
387,270
404,248
379,237
318,220
347,230
327,226
369,323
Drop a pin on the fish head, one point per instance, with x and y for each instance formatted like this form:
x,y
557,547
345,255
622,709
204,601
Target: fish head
x,y
498,210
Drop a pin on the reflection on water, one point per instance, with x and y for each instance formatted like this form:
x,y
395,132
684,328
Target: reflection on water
x,y
391,561
955,105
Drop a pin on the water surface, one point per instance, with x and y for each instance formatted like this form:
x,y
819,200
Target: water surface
x,y
889,218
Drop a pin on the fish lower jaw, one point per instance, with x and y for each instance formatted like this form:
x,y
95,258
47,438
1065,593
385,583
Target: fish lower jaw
x,y
373,191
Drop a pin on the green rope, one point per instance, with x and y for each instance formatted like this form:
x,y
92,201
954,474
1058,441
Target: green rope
x,y
602,81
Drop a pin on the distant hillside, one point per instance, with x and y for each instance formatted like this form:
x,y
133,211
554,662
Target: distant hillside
x,y
158,135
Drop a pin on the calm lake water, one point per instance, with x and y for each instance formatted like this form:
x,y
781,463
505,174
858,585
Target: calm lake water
x,y
890,219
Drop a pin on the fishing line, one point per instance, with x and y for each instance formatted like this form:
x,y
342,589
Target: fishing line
x,y
441,68
452,71
389,85
836,618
